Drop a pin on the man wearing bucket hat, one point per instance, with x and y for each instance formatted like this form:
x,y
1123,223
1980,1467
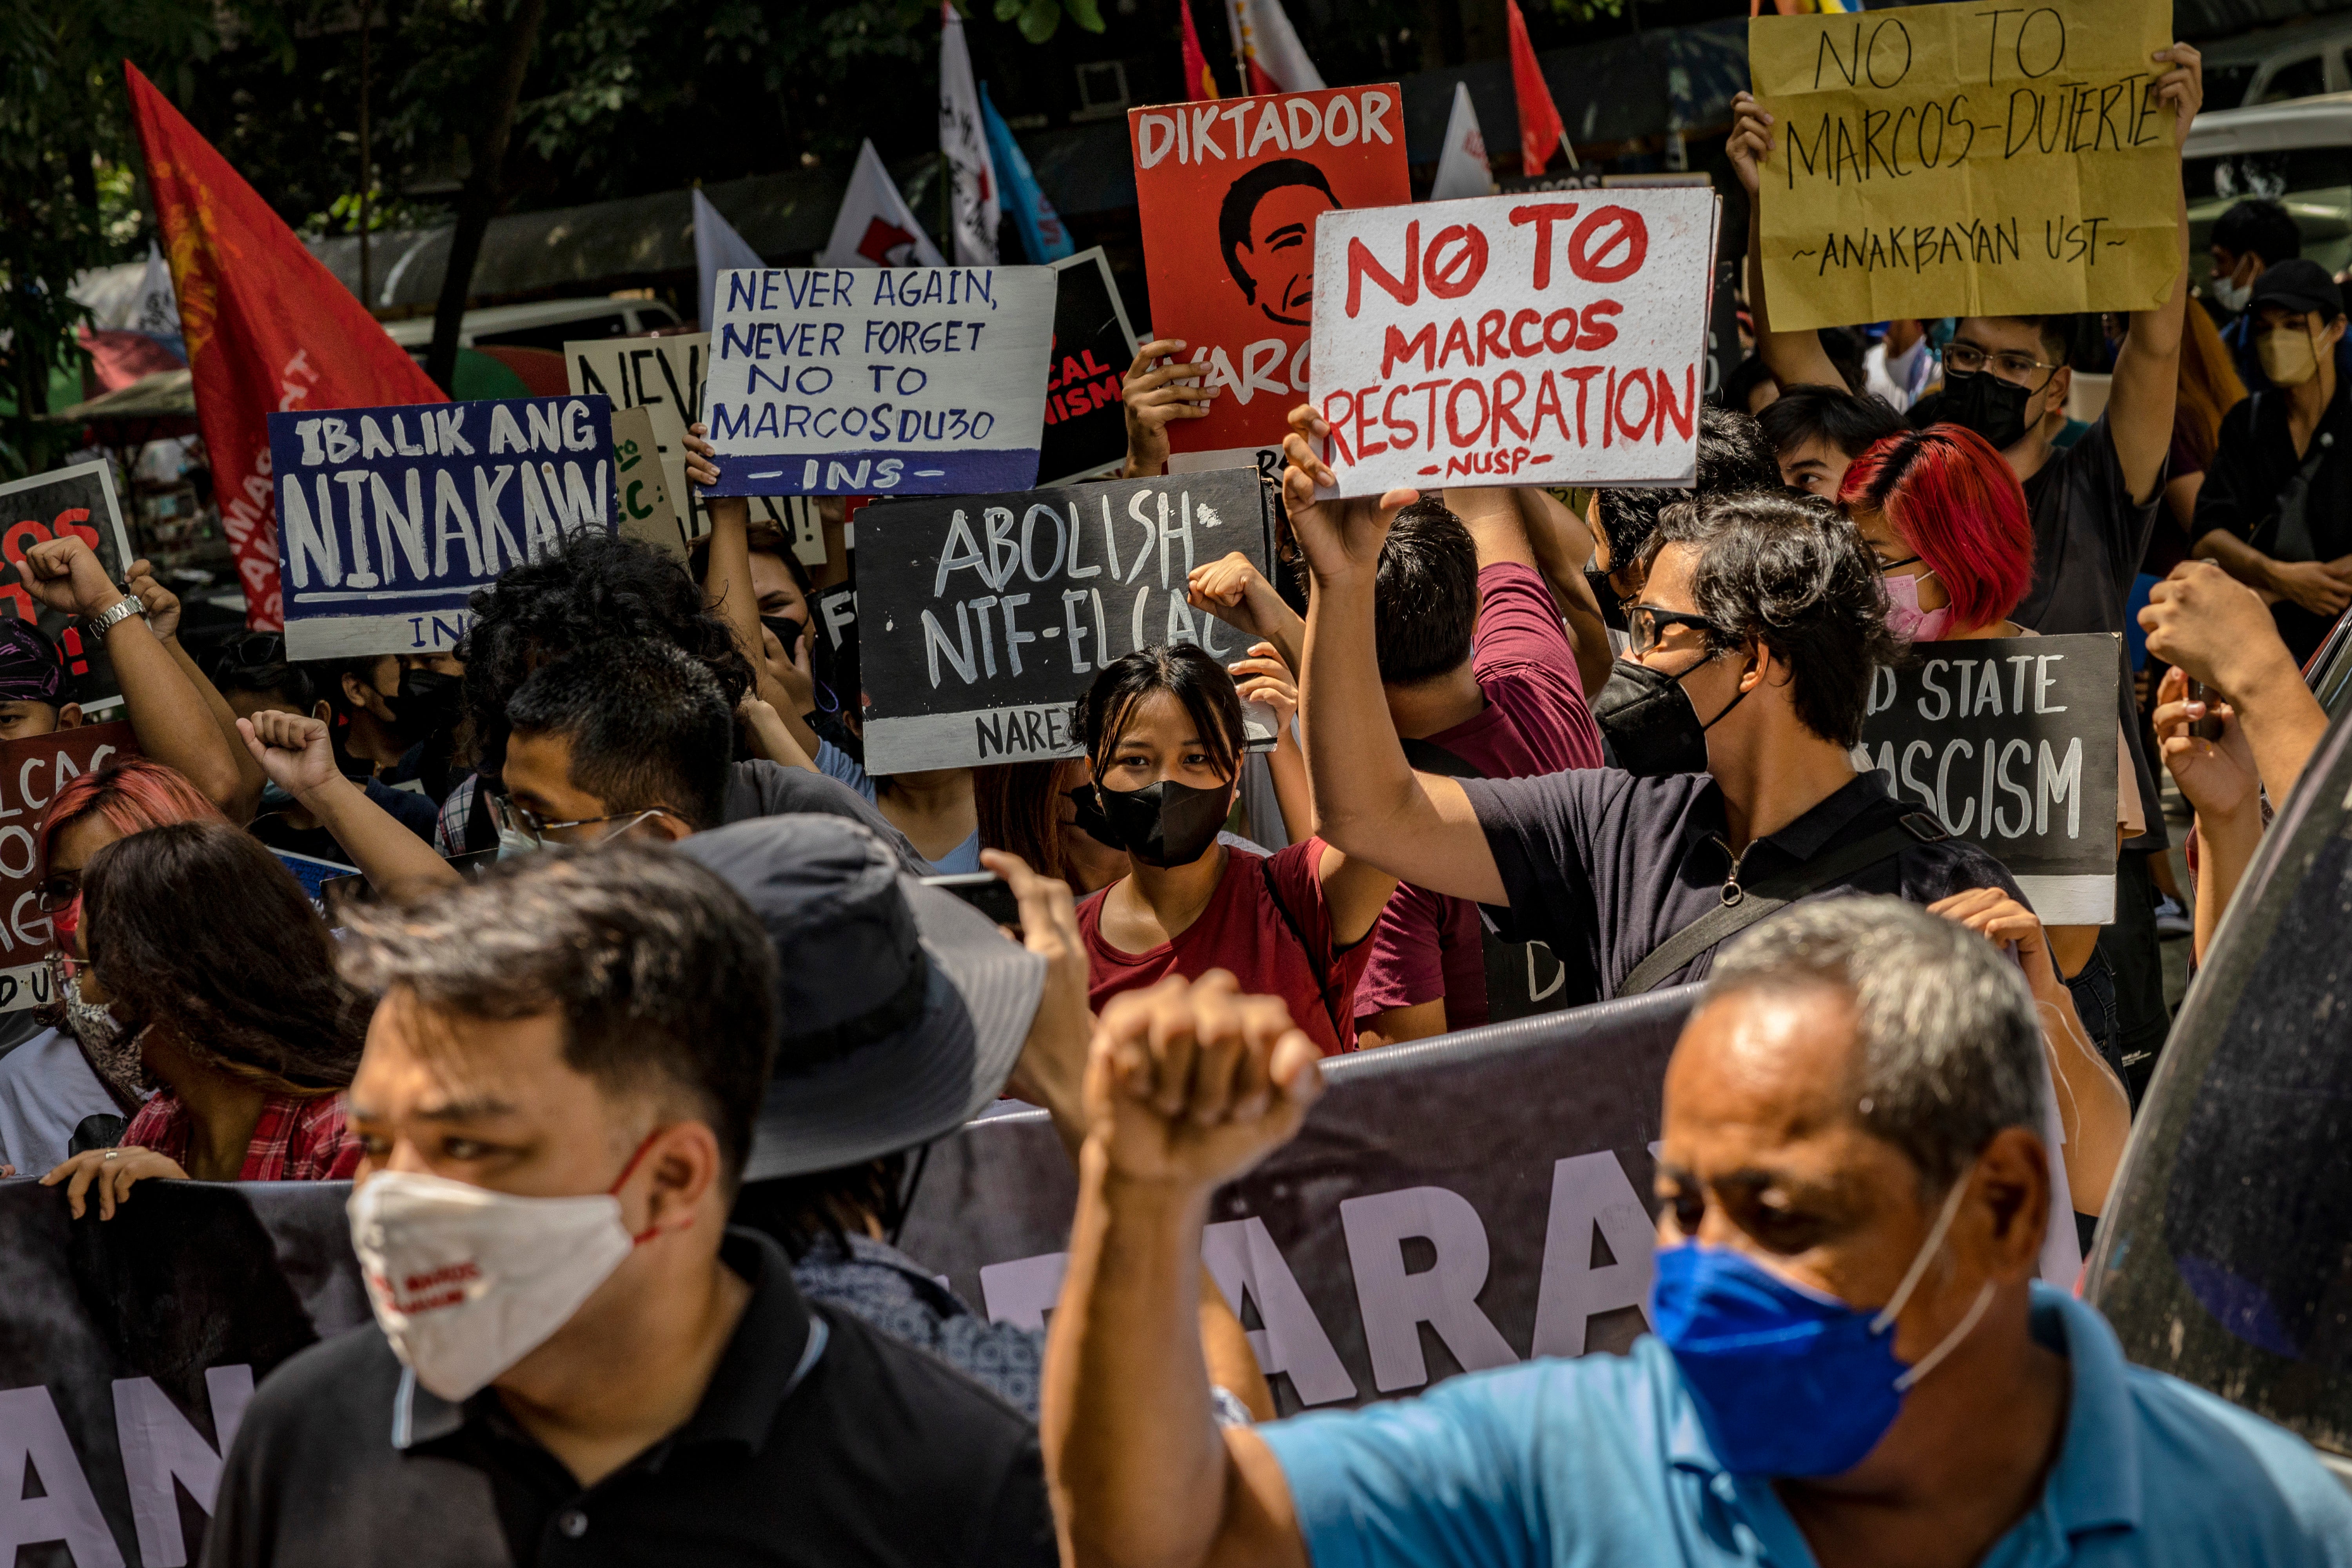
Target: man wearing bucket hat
x,y
902,1013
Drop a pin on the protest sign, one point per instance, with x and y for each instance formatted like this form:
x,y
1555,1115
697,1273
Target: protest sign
x,y
2011,743
879,381
31,771
1086,424
1947,161
388,518
78,501
983,618
1230,194
1502,341
644,496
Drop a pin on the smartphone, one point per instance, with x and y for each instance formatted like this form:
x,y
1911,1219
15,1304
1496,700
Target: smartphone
x,y
2208,728
986,891
1260,731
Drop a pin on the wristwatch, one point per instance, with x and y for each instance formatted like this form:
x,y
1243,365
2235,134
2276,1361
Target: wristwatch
x,y
123,610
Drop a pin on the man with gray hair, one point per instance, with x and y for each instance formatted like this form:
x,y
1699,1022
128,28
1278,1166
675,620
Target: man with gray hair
x,y
1852,1361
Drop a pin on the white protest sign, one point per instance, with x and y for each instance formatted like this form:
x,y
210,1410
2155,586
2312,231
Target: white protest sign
x,y
1514,340
889,381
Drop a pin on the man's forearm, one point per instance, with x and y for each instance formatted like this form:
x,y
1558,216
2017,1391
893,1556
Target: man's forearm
x,y
170,719
2283,724
392,857
1138,1470
249,776
1363,782
2226,847
1795,359
2235,556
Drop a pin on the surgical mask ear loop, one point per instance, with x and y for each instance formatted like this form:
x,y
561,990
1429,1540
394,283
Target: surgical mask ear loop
x,y
622,1179
1928,1251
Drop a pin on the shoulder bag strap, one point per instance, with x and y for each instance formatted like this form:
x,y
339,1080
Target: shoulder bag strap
x,y
1346,1030
1769,896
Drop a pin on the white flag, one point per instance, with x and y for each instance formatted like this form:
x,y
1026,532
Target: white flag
x,y
1263,34
158,308
963,141
875,227
717,248
1462,167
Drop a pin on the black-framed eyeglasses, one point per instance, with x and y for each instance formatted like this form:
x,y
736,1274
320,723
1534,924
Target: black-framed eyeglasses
x,y
521,819
1885,565
57,889
2009,364
1646,626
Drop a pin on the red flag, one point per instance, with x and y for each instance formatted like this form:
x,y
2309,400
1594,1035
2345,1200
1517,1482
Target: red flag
x,y
269,329
1540,130
1199,84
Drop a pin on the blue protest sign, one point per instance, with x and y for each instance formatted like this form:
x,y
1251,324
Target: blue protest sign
x,y
879,381
388,518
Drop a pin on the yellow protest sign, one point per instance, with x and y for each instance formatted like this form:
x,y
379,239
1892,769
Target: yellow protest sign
x,y
1966,161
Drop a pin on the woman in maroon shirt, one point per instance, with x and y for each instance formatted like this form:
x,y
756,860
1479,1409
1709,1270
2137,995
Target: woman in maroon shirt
x,y
1162,729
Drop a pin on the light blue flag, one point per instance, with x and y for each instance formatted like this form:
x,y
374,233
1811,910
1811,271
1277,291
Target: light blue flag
x,y
1042,234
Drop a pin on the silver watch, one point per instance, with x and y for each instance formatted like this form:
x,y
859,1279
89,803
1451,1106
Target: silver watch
x,y
123,610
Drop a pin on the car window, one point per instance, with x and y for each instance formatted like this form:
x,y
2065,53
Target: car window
x,y
2225,86
2222,1259
555,334
2305,77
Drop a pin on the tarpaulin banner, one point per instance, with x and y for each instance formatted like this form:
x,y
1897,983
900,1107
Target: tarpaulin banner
x,y
1085,423
1500,340
2012,743
983,618
890,381
268,329
78,501
390,517
31,771
1229,195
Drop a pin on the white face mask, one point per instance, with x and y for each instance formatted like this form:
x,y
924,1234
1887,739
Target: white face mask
x,y
466,1282
2232,295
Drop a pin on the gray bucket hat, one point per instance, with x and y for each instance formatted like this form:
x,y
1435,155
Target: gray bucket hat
x,y
900,1010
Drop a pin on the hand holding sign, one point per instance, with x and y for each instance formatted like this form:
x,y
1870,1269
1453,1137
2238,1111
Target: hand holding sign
x,y
1155,394
1342,538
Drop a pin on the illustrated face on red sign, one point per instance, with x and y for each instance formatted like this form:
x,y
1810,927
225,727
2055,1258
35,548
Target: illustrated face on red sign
x,y
1231,194
1511,340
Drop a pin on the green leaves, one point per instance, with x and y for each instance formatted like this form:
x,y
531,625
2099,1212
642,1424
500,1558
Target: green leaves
x,y
1037,19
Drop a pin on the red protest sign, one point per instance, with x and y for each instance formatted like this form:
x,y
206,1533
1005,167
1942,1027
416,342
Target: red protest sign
x,y
31,771
1515,339
1230,194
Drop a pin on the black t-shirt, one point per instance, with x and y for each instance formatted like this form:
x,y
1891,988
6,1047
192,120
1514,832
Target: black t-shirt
x,y
2254,461
2090,536
1603,867
820,1441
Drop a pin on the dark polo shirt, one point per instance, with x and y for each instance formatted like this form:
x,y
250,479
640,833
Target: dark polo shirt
x,y
1603,867
819,1441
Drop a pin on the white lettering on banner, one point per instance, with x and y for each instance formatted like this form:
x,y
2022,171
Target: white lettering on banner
x,y
160,1446
1394,1303
34,1448
1022,1291
1243,1260
1590,1193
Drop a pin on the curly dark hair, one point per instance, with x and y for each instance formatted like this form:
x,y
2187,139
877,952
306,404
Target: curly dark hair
x,y
590,587
255,996
1789,572
1733,456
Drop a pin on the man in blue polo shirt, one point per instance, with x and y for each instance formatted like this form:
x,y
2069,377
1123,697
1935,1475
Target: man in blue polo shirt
x,y
1853,1363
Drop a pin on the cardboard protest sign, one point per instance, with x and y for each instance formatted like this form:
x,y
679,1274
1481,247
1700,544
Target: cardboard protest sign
x,y
79,500
388,518
1230,194
1086,426
879,381
983,618
31,771
1503,340
2011,743
646,512
1947,161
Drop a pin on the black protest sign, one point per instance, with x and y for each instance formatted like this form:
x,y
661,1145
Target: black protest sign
x,y
1085,424
981,618
31,771
2011,742
77,501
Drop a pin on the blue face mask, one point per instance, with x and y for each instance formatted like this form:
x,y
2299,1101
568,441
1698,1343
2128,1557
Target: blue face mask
x,y
1788,1382
274,797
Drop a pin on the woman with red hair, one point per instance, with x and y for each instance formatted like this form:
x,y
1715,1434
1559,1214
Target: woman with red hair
x,y
72,1085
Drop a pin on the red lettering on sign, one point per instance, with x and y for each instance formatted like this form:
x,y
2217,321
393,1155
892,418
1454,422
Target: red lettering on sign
x,y
1361,265
1543,215
1599,237
1451,277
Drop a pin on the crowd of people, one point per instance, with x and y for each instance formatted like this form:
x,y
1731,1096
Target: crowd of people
x,y
636,1110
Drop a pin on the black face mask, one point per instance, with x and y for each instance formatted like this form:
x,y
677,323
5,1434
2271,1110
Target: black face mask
x,y
1649,722
788,632
1604,594
426,705
1164,824
1993,408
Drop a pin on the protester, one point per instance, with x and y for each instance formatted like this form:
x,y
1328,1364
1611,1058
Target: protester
x,y
1816,432
1853,1359
1733,456
558,1099
348,695
1033,809
220,969
1162,729
2250,237
2209,627
1900,365
72,1077
253,676
2275,511
32,682
2209,389
827,1175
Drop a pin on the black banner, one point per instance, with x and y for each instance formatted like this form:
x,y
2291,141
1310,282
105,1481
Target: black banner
x,y
2011,742
981,618
1085,427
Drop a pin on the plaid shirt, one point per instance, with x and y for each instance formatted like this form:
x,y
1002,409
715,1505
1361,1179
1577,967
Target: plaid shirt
x,y
294,1140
